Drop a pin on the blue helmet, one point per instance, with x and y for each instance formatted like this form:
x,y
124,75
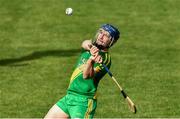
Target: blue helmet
x,y
114,32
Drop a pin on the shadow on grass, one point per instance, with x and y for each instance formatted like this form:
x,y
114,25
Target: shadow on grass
x,y
38,55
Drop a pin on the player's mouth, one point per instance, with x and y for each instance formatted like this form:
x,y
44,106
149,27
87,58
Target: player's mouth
x,y
100,42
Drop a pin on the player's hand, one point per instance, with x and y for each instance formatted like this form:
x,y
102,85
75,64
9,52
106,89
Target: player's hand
x,y
94,50
97,58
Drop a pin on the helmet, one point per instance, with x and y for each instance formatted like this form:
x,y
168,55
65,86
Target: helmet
x,y
114,33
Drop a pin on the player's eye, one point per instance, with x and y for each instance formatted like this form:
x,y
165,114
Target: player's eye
x,y
107,35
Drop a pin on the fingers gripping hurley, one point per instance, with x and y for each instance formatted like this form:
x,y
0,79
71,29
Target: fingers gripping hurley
x,y
131,105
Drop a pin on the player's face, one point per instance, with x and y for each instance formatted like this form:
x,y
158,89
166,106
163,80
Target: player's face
x,y
103,38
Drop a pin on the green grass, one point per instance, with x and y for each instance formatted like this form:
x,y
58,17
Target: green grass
x,y
39,46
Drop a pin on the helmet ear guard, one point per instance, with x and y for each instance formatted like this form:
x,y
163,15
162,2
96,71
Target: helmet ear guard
x,y
112,42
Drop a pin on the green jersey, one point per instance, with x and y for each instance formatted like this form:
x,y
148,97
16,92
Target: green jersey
x,y
87,87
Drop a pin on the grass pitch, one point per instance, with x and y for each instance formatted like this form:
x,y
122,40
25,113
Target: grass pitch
x,y
39,46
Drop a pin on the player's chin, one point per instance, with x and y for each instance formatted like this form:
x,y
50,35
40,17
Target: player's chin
x,y
100,43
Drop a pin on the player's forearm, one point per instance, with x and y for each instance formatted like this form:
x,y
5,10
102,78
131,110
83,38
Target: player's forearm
x,y
88,70
87,44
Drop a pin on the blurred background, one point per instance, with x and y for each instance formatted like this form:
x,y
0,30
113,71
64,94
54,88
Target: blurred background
x,y
40,44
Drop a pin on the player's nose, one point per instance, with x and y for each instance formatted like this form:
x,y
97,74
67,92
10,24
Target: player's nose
x,y
101,37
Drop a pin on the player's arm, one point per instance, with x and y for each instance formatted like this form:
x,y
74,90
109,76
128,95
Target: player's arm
x,y
86,44
89,67
88,70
